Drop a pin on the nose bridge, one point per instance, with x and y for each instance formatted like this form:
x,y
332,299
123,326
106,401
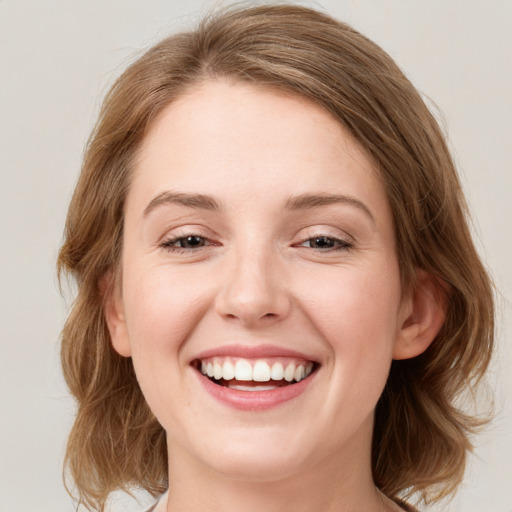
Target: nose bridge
x,y
253,287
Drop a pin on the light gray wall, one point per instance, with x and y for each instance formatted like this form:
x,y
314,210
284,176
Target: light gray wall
x,y
56,60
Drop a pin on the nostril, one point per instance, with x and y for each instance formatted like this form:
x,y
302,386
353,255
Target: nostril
x,y
252,300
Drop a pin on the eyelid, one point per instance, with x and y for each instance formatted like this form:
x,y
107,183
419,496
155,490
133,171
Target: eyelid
x,y
341,241
174,234
182,231
327,231
168,242
338,244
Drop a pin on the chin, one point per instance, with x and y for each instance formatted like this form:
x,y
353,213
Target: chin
x,y
253,454
254,466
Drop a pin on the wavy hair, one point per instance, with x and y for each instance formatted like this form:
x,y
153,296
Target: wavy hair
x,y
421,437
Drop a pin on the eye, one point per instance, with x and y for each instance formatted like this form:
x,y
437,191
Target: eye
x,y
189,242
326,243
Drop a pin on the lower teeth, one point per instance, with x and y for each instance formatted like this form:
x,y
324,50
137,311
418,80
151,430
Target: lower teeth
x,y
251,385
241,387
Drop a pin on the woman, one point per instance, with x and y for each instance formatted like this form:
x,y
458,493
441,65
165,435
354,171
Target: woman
x,y
278,296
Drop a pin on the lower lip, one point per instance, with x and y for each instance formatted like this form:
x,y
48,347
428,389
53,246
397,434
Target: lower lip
x,y
254,400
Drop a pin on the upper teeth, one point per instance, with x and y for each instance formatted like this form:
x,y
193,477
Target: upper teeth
x,y
259,370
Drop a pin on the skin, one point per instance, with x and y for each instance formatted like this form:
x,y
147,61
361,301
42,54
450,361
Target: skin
x,y
256,277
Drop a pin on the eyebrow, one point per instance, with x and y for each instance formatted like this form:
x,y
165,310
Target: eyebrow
x,y
307,201
191,200
301,202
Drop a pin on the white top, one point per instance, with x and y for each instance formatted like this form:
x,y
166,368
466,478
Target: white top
x,y
160,505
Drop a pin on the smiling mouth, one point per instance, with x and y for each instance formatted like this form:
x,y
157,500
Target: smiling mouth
x,y
254,374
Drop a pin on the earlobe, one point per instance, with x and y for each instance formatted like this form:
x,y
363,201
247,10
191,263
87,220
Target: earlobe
x,y
425,315
113,310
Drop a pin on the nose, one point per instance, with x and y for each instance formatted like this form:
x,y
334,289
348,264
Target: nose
x,y
253,289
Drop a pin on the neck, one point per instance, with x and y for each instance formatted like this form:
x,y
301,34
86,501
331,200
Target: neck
x,y
339,483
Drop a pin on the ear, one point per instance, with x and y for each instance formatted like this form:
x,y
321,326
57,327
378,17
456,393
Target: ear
x,y
423,315
113,309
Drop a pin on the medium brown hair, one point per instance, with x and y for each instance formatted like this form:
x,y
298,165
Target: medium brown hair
x,y
421,437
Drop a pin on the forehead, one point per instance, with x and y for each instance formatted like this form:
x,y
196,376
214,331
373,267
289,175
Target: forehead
x,y
221,135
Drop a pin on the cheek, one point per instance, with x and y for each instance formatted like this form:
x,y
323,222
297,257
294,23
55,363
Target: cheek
x,y
355,298
356,312
162,309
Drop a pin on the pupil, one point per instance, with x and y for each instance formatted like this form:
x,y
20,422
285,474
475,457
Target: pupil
x,y
192,241
322,242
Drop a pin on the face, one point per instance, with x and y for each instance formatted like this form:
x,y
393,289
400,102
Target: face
x,y
261,299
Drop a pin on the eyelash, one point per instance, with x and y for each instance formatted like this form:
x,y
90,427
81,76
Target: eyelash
x,y
169,244
338,244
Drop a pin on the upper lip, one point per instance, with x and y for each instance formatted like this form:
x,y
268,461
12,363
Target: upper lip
x,y
253,352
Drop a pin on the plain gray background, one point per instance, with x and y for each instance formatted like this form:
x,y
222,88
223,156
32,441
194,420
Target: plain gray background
x,y
57,59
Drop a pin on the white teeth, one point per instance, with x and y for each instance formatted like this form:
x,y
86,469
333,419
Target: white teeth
x,y
261,372
228,371
243,370
277,371
217,371
289,373
241,387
